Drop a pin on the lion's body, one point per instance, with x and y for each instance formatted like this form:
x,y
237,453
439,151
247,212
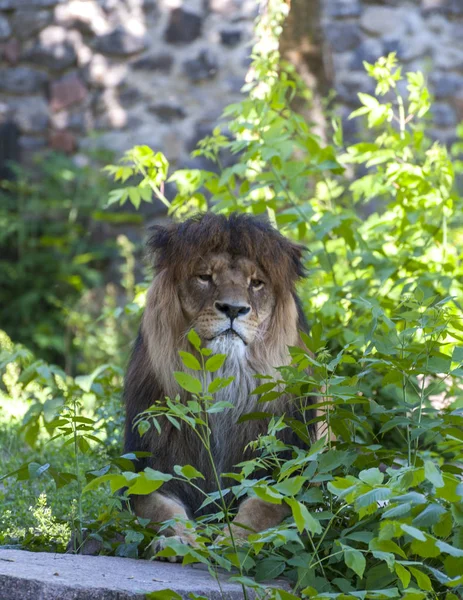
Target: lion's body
x,y
252,270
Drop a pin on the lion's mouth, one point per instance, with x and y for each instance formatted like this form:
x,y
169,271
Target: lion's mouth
x,y
230,332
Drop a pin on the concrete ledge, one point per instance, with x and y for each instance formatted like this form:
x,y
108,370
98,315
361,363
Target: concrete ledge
x,y
45,576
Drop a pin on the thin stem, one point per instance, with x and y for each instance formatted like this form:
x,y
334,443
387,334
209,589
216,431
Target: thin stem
x,y
79,538
402,122
151,183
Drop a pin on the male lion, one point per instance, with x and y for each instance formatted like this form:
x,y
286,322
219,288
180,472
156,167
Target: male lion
x,y
233,281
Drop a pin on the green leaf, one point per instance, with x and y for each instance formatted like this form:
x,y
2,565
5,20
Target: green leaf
x,y
449,491
403,574
433,474
265,387
448,549
163,595
331,460
422,580
188,472
290,486
372,476
355,560
269,568
215,362
190,361
116,481
429,516
194,339
219,383
188,382
372,497
387,546
265,492
302,517
413,532
426,549
148,481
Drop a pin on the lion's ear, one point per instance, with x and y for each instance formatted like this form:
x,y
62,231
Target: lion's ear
x,y
158,242
297,252
158,238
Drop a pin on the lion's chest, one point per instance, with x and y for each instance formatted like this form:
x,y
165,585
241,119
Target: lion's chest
x,y
229,437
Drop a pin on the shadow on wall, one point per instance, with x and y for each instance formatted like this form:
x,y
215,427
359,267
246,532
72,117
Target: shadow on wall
x,y
76,74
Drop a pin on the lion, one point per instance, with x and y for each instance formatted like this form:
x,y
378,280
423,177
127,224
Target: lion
x,y
231,279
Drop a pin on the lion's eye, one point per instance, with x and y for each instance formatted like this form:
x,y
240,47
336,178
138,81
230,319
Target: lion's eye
x,y
257,284
205,277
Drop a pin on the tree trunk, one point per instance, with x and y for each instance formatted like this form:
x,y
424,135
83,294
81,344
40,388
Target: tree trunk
x,y
302,45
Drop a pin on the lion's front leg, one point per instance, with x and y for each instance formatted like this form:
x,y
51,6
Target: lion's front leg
x,y
255,515
159,508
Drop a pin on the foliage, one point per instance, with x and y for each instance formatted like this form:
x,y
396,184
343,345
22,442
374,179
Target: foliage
x,y
49,252
377,502
384,297
62,419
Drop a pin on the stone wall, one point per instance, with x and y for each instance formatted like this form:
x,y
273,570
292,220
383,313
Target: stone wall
x,y
80,73
427,35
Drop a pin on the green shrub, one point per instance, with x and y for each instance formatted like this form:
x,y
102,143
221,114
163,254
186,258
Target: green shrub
x,y
49,253
381,220
383,296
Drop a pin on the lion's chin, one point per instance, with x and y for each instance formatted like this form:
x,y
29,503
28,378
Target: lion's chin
x,y
228,342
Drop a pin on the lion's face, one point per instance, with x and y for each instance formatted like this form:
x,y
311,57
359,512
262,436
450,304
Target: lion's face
x,y
227,300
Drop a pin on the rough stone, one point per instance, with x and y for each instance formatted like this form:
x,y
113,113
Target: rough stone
x,y
29,21
63,141
343,36
120,42
53,49
183,28
344,8
235,84
369,50
230,37
167,112
449,57
110,113
446,85
73,121
66,91
100,72
11,51
85,15
415,46
392,45
428,6
443,115
129,96
381,20
351,84
31,114
22,80
201,68
34,575
234,8
10,4
5,29
454,7
159,62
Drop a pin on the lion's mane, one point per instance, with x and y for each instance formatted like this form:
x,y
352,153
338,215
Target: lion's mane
x,y
175,251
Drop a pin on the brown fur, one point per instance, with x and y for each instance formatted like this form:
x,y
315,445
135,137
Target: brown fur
x,y
237,254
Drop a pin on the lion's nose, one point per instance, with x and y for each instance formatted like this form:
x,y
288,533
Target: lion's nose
x,y
232,310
